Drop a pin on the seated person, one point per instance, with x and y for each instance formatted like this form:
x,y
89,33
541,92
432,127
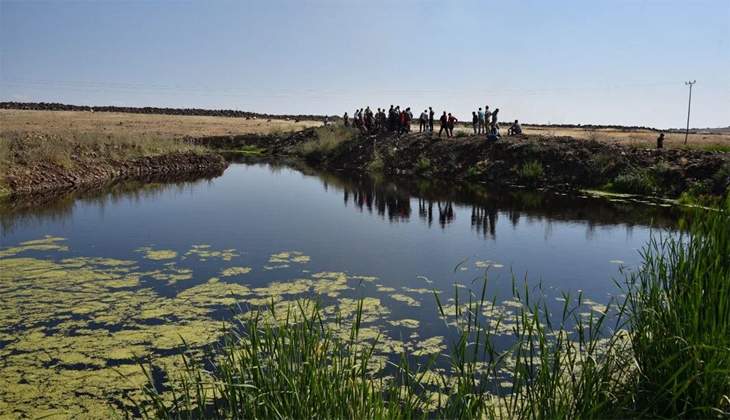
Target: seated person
x,y
515,129
493,132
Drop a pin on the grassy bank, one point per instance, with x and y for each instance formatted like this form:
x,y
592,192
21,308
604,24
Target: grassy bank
x,y
26,149
27,158
661,351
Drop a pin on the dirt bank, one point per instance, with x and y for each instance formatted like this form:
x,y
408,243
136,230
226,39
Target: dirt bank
x,y
561,162
88,172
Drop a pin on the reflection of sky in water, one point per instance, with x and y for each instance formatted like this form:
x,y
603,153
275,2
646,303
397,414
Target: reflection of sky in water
x,y
273,232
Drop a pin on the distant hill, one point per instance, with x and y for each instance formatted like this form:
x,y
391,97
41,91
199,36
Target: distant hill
x,y
717,130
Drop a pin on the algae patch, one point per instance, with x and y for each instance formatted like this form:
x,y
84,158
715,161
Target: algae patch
x,y
235,271
151,254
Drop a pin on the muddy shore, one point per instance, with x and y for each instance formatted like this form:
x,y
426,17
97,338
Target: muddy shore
x,y
557,162
89,173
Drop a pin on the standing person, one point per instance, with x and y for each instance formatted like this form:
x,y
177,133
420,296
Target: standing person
x,y
494,116
326,120
401,122
423,126
452,123
346,119
444,125
474,121
377,119
487,117
660,141
409,118
391,118
482,126
430,118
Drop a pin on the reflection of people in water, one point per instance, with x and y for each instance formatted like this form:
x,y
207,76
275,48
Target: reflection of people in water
x,y
396,207
424,212
446,215
484,219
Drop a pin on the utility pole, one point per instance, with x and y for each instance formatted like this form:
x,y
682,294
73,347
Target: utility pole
x,y
686,133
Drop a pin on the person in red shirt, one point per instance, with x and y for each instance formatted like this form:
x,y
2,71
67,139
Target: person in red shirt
x,y
452,122
444,125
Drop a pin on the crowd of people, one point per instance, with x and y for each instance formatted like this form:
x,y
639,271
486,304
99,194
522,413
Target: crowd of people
x,y
399,120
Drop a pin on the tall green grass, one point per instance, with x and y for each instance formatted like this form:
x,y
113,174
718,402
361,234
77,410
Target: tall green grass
x,y
662,351
680,301
530,172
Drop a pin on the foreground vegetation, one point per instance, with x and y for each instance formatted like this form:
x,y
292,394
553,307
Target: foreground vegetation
x,y
663,350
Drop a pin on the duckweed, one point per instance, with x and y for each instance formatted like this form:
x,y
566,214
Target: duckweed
x,y
70,326
151,254
234,271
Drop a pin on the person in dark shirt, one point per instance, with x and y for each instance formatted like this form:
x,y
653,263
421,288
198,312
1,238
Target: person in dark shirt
x,y
474,121
430,118
444,125
660,141
346,119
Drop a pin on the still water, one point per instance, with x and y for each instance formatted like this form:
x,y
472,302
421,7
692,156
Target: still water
x,y
89,282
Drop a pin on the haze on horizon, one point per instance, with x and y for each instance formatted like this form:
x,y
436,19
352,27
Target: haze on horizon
x,y
600,62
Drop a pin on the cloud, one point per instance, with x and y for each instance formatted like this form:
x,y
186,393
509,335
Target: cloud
x,y
20,97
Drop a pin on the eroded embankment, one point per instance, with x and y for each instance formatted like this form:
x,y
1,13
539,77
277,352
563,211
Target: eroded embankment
x,y
91,173
561,162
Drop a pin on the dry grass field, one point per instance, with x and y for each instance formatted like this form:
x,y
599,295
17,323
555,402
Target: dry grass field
x,y
637,138
174,126
62,123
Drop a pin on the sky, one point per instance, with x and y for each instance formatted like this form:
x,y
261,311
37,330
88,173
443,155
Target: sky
x,y
561,62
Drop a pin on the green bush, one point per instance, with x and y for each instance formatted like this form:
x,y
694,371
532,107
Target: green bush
x,y
530,172
376,165
474,172
633,181
422,163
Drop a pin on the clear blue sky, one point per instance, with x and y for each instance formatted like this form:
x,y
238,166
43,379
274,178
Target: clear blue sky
x,y
606,62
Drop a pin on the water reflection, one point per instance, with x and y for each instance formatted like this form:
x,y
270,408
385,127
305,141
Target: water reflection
x,y
55,207
437,201
389,198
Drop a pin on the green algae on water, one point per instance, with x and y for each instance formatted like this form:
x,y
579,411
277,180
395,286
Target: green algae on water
x,y
235,271
156,255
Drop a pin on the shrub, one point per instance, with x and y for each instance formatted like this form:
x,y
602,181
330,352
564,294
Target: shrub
x,y
474,172
376,165
422,163
633,181
530,172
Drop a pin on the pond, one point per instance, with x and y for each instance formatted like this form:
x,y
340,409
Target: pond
x,y
92,280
